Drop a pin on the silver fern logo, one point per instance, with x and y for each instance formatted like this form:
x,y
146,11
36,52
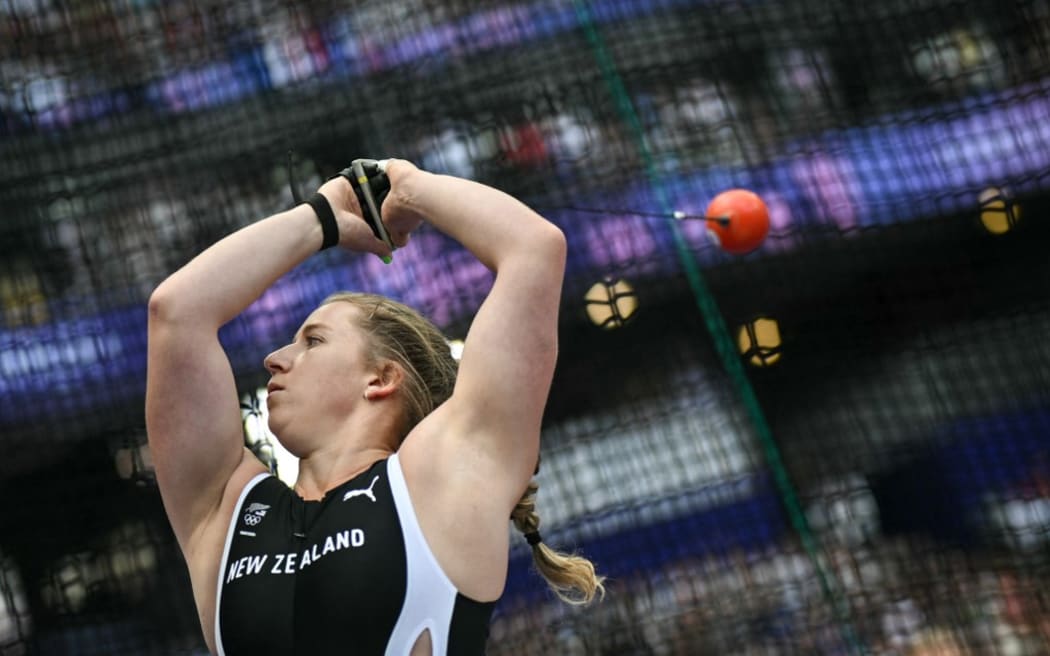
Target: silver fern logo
x,y
255,513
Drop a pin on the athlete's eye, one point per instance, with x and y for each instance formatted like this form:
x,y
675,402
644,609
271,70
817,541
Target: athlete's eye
x,y
312,340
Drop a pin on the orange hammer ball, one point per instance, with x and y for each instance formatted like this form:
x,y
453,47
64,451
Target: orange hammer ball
x,y
738,220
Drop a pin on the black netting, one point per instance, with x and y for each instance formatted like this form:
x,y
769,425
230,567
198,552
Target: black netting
x,y
835,444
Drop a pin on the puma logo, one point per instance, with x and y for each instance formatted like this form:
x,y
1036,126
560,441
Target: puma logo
x,y
365,492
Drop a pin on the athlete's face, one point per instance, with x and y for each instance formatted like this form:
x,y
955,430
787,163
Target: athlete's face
x,y
316,381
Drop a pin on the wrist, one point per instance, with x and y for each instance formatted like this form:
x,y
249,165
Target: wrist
x,y
326,218
408,190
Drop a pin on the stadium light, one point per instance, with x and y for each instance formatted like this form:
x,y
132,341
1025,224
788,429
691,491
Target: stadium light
x,y
759,341
610,304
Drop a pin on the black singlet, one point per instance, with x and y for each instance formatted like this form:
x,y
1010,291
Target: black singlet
x,y
349,574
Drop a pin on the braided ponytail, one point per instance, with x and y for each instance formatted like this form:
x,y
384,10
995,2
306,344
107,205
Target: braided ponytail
x,y
571,577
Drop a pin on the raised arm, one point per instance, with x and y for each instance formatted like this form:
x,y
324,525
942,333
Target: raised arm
x,y
509,354
192,411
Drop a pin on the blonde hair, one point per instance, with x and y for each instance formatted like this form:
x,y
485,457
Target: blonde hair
x,y
570,576
402,335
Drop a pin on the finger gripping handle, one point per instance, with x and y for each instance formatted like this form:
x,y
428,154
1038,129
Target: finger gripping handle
x,y
370,183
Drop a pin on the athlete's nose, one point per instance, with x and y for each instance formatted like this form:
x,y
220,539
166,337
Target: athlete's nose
x,y
277,361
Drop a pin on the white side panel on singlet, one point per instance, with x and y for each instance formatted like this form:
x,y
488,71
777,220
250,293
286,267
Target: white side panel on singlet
x,y
431,596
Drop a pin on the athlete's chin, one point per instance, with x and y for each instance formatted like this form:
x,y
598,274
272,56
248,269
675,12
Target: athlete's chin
x,y
275,424
286,438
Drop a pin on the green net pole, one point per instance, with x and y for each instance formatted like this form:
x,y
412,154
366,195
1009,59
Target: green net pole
x,y
719,332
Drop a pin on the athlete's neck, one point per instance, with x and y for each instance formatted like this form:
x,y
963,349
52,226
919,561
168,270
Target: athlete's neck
x,y
321,472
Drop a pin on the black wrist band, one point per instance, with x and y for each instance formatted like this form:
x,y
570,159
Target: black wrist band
x,y
329,228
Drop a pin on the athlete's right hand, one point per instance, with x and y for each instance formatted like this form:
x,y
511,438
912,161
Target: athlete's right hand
x,y
354,232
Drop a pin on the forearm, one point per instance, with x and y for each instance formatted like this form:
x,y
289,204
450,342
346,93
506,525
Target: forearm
x,y
218,284
491,224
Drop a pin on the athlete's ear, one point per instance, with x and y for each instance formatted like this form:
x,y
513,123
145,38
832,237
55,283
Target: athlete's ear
x,y
385,380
